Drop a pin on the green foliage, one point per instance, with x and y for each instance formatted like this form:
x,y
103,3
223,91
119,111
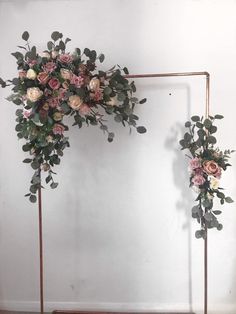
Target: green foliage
x,y
206,166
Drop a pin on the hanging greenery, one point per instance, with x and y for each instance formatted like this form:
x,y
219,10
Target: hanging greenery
x,y
206,165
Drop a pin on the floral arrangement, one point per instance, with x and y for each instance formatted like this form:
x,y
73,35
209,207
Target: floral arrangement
x,y
205,166
55,84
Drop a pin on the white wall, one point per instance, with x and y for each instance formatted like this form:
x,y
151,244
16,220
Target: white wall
x,y
118,232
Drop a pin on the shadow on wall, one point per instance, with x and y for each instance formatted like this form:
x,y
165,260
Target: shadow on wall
x,y
181,178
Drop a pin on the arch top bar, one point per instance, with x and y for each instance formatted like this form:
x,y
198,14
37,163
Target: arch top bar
x,y
204,73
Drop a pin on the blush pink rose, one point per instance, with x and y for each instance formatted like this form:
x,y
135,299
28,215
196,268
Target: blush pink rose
x,y
78,81
49,67
43,78
58,129
65,58
54,83
84,109
195,163
53,102
198,180
22,74
212,168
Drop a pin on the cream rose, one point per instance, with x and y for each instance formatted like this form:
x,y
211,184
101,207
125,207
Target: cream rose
x,y
55,53
45,166
112,102
75,102
31,74
214,183
33,94
65,74
57,116
94,84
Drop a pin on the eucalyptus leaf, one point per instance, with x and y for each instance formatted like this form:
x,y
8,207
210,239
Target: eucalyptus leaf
x,y
25,36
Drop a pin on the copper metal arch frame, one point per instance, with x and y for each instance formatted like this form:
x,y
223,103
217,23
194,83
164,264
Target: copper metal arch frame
x,y
207,107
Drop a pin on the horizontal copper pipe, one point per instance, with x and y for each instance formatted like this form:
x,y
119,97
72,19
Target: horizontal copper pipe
x,y
167,74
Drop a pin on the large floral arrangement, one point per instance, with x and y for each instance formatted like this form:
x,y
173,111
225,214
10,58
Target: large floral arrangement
x,y
55,84
207,162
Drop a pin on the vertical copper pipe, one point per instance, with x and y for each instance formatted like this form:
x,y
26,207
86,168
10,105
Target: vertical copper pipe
x,y
207,112
40,245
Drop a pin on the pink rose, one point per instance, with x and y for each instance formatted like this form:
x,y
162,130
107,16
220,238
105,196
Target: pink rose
x,y
49,67
31,63
198,180
65,58
43,78
195,163
78,81
58,129
54,83
27,113
84,109
53,102
198,171
22,74
98,95
212,168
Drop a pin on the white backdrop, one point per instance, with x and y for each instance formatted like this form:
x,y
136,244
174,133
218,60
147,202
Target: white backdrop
x,y
118,230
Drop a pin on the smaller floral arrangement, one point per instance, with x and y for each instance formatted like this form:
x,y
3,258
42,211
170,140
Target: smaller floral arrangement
x,y
54,84
206,166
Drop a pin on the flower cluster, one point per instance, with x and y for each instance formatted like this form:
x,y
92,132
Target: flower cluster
x,y
54,84
206,166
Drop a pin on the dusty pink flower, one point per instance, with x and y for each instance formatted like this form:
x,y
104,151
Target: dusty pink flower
x,y
198,171
22,74
27,113
98,95
49,67
65,58
195,163
78,81
84,109
54,83
53,102
198,180
43,78
31,63
58,129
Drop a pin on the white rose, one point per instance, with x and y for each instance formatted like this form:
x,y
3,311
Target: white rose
x,y
31,74
45,54
214,183
94,84
33,94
